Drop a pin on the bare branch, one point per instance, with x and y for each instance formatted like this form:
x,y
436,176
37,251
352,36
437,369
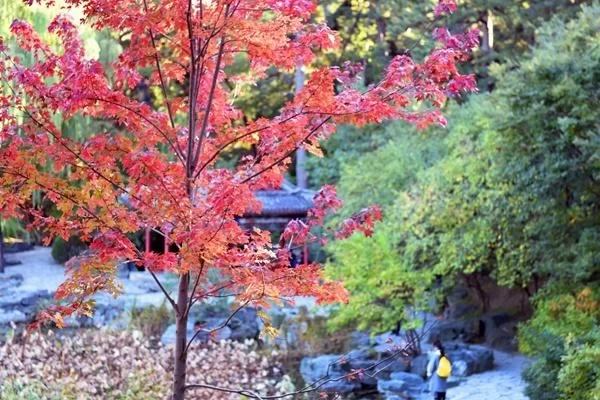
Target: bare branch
x,y
191,301
223,325
162,288
209,102
289,153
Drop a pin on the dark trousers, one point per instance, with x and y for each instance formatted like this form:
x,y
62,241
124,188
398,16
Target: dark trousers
x,y
439,396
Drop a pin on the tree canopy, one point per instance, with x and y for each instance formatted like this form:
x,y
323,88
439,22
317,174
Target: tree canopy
x,y
510,191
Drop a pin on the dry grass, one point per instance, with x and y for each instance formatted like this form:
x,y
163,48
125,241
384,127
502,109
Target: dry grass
x,y
97,364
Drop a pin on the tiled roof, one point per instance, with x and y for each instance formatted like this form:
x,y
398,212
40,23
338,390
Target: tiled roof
x,y
283,202
287,201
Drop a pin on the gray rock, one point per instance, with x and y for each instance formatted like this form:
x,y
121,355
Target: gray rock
x,y
401,385
10,282
450,330
418,365
124,269
388,339
359,339
35,297
168,337
27,302
17,247
468,360
315,368
396,364
6,317
244,325
460,368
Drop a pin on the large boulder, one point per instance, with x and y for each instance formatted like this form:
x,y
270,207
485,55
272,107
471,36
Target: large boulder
x,y
17,247
451,330
468,360
401,385
418,365
244,325
501,330
333,367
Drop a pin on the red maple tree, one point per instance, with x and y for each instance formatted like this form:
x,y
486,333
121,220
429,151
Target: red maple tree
x,y
163,160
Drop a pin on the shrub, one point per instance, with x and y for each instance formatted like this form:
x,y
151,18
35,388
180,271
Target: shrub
x,y
151,321
64,250
563,335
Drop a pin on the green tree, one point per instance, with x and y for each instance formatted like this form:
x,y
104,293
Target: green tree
x,y
514,196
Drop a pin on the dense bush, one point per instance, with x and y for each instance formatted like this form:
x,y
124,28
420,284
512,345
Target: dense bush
x,y
564,337
64,250
152,321
510,193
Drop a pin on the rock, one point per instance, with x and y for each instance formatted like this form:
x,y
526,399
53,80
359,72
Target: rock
x,y
506,343
24,301
450,330
418,365
34,298
17,247
359,339
468,360
388,339
315,368
501,330
401,385
244,325
124,269
168,337
396,364
6,317
10,282
460,368
105,314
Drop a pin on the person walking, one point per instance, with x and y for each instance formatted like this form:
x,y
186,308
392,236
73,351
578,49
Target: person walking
x,y
438,369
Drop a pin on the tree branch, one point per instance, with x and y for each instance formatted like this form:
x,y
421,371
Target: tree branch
x,y
160,75
211,331
162,288
209,102
289,153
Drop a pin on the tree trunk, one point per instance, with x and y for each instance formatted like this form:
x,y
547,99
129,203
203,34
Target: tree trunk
x,y
1,250
487,44
301,174
180,370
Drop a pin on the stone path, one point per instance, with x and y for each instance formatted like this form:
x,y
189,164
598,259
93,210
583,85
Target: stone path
x,y
503,382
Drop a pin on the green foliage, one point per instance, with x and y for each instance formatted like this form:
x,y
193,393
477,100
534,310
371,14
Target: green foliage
x,y
17,390
13,228
564,337
510,192
64,250
579,379
152,321
345,147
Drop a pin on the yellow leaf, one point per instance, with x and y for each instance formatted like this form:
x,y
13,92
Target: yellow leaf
x,y
263,315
